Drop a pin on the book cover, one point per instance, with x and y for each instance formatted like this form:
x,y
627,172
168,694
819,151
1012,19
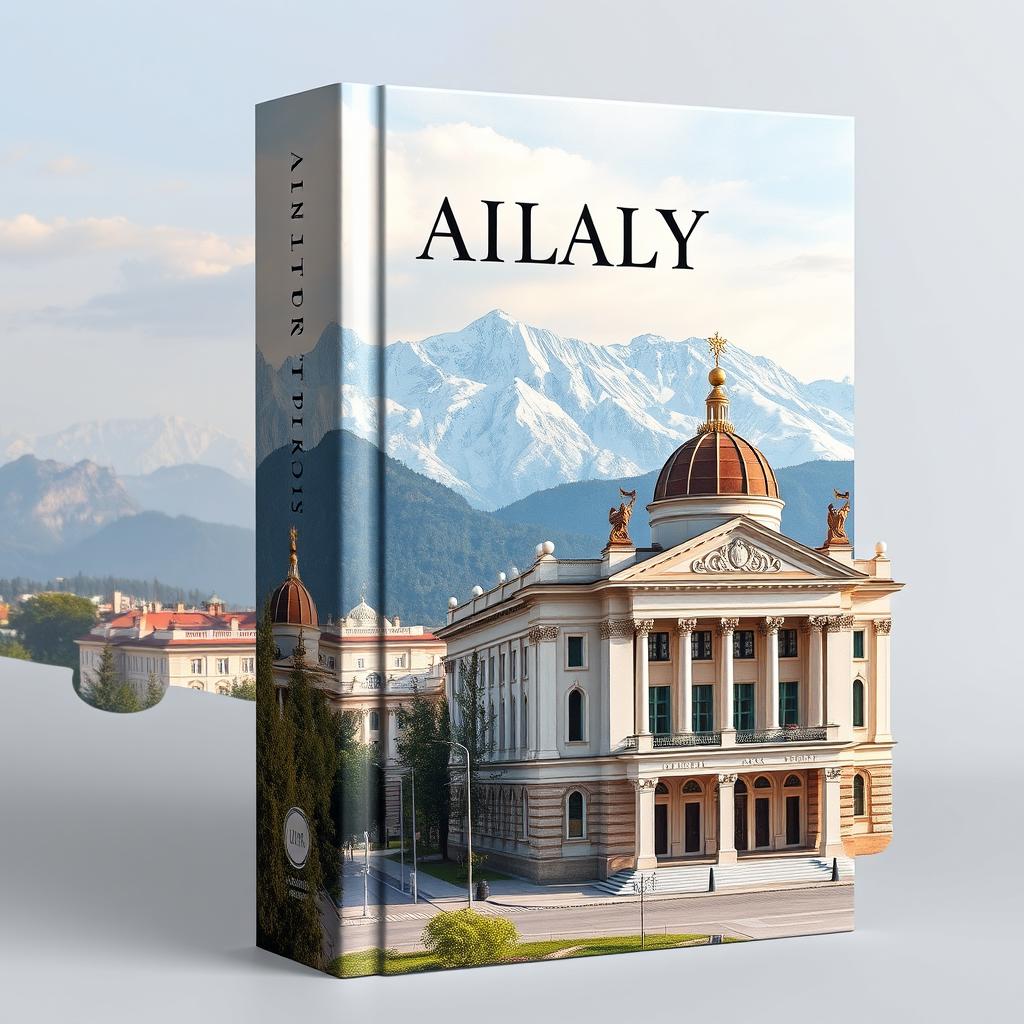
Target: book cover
x,y
564,647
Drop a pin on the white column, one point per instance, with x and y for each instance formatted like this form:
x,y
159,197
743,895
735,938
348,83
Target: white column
x,y
683,702
642,688
509,724
882,697
815,680
831,833
644,823
532,704
726,819
771,632
726,628
392,745
546,684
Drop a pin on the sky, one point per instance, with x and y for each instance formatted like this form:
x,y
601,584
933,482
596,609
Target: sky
x,y
126,209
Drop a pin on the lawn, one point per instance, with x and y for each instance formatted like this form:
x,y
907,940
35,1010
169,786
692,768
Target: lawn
x,y
355,965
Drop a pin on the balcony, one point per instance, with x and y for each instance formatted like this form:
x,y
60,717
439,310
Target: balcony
x,y
797,734
688,739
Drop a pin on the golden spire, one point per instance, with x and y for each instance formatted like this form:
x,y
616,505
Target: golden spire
x,y
717,400
293,552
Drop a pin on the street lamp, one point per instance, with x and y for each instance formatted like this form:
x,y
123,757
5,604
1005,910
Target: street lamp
x,y
469,817
642,886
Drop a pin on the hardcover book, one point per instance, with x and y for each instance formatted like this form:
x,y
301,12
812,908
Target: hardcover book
x,y
564,647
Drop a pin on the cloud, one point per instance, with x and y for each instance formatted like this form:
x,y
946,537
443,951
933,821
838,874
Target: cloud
x,y
174,252
773,271
66,166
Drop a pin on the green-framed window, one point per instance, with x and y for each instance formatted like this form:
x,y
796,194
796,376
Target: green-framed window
x,y
789,704
660,705
858,703
703,714
743,707
858,643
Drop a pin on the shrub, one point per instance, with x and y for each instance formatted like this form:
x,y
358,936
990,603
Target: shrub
x,y
464,938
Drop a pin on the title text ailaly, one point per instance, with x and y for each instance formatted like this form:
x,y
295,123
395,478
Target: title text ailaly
x,y
585,234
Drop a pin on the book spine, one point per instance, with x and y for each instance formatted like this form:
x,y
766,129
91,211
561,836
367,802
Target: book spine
x,y
317,504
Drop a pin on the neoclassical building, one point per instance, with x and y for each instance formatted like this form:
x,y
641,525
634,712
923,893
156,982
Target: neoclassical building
x,y
208,649
364,662
722,695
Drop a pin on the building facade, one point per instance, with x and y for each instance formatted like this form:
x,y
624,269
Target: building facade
x,y
364,663
721,695
205,650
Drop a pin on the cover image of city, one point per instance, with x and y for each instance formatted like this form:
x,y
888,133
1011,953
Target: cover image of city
x,y
608,674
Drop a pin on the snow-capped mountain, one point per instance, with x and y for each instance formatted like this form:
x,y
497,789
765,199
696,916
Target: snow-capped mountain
x,y
501,409
135,446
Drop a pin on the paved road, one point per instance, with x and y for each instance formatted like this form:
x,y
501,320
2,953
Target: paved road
x,y
758,915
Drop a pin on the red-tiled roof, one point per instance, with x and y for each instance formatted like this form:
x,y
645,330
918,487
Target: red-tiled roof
x,y
184,620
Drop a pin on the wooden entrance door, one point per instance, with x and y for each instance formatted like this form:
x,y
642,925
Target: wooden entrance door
x,y
661,830
692,838
762,822
792,820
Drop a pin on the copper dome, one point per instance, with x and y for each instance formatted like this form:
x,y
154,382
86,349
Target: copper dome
x,y
716,462
291,603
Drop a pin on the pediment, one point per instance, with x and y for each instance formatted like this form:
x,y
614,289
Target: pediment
x,y
740,550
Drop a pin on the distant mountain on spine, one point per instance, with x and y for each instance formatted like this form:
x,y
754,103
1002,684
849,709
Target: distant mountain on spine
x,y
135,446
501,409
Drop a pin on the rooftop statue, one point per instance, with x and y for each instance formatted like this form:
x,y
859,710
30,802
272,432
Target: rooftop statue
x,y
619,519
837,521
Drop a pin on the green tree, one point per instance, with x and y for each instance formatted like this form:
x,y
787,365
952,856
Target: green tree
x,y
49,625
464,938
296,756
423,746
474,727
357,781
12,648
276,913
243,689
155,691
106,690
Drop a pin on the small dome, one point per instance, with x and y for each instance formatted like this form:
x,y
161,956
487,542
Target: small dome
x,y
716,462
291,603
362,612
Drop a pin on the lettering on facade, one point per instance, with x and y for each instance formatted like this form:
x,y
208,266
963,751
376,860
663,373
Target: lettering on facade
x,y
682,766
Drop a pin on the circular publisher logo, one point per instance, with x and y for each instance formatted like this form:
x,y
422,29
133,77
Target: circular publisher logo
x,y
296,837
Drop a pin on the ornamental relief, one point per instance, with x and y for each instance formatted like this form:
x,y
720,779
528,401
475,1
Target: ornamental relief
x,y
883,627
772,624
540,633
616,628
736,556
686,625
643,626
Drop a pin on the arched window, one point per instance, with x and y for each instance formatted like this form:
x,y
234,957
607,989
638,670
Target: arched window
x,y
792,780
576,718
858,703
575,815
661,789
692,786
196,685
374,721
741,787
762,783
373,681
860,801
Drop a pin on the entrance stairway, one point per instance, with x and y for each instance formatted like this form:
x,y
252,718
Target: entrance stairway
x,y
754,872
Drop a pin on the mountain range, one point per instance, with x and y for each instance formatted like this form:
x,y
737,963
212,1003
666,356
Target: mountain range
x,y
136,446
500,409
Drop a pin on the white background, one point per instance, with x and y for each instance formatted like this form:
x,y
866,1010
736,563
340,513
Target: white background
x,y
127,865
